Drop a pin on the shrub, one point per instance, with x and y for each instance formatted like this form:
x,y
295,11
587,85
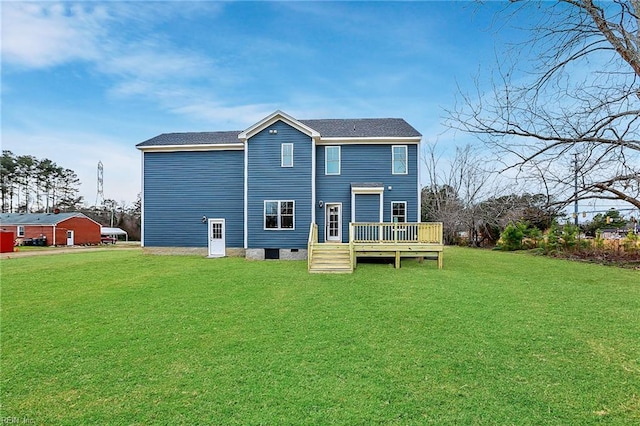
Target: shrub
x,y
551,243
511,237
563,238
570,236
533,238
631,242
599,241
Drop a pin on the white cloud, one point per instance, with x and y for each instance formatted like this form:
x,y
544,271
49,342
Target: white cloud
x,y
39,35
44,35
234,117
153,61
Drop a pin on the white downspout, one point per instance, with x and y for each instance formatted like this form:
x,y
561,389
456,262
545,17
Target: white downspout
x,y
142,200
313,180
246,194
418,186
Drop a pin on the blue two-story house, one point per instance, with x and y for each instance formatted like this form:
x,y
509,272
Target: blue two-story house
x,y
256,192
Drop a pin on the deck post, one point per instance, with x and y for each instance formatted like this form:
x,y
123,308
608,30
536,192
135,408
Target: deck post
x,y
395,232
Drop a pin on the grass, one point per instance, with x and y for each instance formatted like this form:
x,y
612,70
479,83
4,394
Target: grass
x,y
35,248
116,337
120,244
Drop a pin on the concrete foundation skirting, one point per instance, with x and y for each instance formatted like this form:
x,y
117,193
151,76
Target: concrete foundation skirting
x,y
288,254
176,251
255,254
284,254
251,254
235,252
191,251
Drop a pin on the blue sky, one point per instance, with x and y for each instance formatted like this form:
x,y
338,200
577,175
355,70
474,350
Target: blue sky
x,y
85,82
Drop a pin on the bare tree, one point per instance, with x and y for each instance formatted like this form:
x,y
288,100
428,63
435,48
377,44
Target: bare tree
x,y
572,110
496,213
454,189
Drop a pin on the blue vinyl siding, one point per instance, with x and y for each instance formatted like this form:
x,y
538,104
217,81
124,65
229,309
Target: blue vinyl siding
x,y
182,187
367,207
366,163
267,180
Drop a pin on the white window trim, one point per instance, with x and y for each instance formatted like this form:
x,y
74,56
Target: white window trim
x,y
282,155
326,172
405,210
264,215
393,159
20,231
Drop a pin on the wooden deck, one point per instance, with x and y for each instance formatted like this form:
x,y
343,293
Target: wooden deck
x,y
376,239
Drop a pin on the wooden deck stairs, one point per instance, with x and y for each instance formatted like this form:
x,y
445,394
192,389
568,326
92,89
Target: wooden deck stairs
x,y
331,258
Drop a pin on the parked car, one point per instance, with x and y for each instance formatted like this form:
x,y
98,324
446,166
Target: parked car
x,y
107,239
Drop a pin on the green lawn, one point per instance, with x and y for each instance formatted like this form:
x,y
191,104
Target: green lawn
x,y
116,337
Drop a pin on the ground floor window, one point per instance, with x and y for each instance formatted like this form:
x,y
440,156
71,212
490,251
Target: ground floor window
x,y
279,214
399,211
20,231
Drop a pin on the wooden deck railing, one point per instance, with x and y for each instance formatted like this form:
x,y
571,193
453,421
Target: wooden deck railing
x,y
385,233
313,240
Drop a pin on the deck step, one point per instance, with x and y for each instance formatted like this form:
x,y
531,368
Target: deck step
x,y
331,258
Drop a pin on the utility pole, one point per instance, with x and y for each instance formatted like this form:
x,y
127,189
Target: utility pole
x,y
575,188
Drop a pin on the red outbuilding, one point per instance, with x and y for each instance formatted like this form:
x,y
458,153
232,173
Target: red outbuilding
x,y
51,229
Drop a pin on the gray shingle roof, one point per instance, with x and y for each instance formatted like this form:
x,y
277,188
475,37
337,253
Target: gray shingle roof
x,y
328,128
367,184
363,128
35,218
193,138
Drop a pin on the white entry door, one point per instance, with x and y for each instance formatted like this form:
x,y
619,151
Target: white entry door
x,y
216,238
333,222
70,238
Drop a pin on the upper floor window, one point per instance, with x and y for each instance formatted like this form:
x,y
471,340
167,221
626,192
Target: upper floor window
x,y
331,160
286,155
399,159
279,215
398,211
20,231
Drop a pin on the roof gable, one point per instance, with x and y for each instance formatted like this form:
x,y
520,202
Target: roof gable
x,y
273,118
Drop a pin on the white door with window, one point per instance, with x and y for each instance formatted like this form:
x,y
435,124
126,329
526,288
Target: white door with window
x,y
70,238
333,222
216,238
